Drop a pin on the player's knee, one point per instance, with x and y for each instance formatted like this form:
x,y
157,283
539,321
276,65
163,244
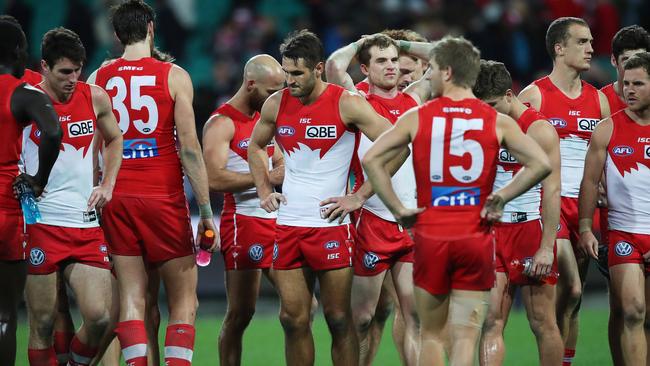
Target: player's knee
x,y
294,323
575,294
41,324
382,313
239,318
633,313
541,323
363,320
337,321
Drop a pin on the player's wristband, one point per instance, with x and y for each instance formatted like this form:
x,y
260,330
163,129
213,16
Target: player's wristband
x,y
584,225
205,211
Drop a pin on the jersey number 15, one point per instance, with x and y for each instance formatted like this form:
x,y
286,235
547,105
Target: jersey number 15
x,y
458,146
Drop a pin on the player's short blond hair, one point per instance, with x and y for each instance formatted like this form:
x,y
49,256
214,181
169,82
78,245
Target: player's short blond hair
x,y
461,56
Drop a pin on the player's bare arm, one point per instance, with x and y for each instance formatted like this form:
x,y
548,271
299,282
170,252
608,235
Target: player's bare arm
x,y
535,163
546,136
180,88
112,155
605,111
277,173
356,111
30,104
376,165
420,90
336,66
531,96
594,165
258,160
418,49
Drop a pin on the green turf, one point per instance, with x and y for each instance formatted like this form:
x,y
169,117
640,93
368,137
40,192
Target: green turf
x,y
264,342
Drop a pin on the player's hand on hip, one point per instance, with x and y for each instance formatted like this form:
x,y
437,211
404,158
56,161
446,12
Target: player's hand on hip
x,y
542,263
493,208
340,207
100,196
272,202
408,216
208,224
588,244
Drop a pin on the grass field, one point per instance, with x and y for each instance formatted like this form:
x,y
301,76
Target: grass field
x,y
264,342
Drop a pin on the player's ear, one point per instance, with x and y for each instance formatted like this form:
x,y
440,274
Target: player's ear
x,y
319,68
509,95
447,73
364,69
44,66
250,85
559,49
613,61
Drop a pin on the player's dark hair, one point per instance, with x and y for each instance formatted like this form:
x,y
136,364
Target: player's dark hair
x,y
461,56
130,20
59,43
493,80
13,43
382,41
639,60
632,37
558,32
305,45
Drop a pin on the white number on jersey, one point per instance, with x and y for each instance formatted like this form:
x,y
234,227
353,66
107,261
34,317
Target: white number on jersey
x,y
138,101
458,146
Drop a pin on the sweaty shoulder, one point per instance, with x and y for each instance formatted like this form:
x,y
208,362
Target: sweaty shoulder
x,y
271,106
531,96
178,80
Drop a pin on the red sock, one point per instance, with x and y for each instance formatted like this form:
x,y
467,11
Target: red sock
x,y
133,339
568,356
62,346
179,345
42,357
80,354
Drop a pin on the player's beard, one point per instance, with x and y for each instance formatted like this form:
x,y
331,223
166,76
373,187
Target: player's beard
x,y
305,89
256,101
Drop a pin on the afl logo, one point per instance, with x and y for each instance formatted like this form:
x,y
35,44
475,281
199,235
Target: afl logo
x,y
243,144
557,122
36,257
623,249
622,150
275,251
370,260
331,245
286,131
256,252
37,133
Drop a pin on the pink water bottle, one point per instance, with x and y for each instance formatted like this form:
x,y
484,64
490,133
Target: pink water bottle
x,y
522,266
203,257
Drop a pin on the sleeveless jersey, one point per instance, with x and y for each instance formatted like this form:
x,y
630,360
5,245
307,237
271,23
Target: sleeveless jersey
x,y
615,102
627,170
574,120
32,77
363,86
525,207
404,178
10,142
145,111
318,149
71,179
454,156
246,202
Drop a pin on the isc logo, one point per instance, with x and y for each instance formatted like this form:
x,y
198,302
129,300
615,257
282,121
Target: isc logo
x,y
622,150
587,124
455,196
286,131
506,157
333,256
81,128
140,149
320,132
557,122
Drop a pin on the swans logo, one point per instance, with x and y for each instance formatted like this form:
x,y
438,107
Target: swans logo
x,y
36,256
623,249
256,252
370,260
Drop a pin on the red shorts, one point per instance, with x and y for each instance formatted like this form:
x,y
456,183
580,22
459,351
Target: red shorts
x,y
569,220
247,242
379,245
52,247
518,241
157,229
463,264
628,248
319,248
12,235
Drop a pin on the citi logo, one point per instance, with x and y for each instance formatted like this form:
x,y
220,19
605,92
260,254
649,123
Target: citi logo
x,y
286,131
558,122
455,196
622,150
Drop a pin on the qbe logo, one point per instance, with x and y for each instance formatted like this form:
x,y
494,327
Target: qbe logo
x,y
623,249
622,150
256,252
36,257
286,131
587,124
370,260
81,128
455,196
243,144
506,157
646,152
140,149
327,132
558,122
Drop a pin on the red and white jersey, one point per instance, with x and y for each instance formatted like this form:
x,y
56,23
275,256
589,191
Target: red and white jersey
x,y
71,179
616,103
574,120
10,142
404,178
454,156
246,202
627,170
144,110
363,86
525,207
32,77
318,149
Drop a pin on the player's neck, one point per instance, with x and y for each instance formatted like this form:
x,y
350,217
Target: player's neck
x,y
239,101
137,50
618,87
642,117
517,109
319,89
455,92
567,79
381,92
58,97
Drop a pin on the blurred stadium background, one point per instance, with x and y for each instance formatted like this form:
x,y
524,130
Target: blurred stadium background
x,y
212,39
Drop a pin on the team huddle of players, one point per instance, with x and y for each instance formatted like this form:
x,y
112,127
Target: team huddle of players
x,y
419,188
